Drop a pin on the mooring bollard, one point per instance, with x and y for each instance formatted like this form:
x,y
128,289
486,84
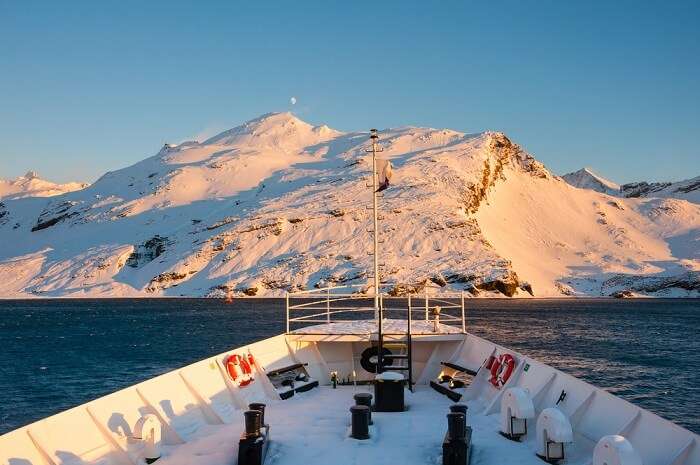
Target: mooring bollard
x,y
360,421
456,426
460,408
252,445
364,398
260,407
252,423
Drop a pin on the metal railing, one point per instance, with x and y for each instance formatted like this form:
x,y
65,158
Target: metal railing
x,y
342,305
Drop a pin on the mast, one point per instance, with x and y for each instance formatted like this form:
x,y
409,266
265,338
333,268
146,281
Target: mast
x,y
375,229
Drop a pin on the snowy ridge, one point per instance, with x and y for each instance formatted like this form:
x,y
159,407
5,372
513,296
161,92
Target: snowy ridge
x,y
585,178
277,204
30,185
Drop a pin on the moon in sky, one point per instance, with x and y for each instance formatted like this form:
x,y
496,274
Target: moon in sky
x,y
293,100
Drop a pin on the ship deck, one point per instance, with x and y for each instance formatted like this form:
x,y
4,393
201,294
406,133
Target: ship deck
x,y
314,428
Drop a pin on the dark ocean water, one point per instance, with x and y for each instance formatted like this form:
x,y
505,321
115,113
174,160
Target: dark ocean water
x,y
56,354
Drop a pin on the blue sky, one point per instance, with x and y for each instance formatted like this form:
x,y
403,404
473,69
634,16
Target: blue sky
x,y
87,87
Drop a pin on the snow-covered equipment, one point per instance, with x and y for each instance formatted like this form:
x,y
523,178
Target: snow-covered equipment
x,y
384,173
553,432
501,370
148,430
452,376
615,450
359,422
389,392
516,409
291,379
436,318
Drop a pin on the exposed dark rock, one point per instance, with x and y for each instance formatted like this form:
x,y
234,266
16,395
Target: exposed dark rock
x,y
399,290
689,281
337,212
527,287
640,189
165,280
615,204
4,214
507,284
54,215
148,251
50,222
622,294
439,280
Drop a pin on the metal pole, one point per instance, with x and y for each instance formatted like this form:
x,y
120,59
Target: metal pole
x,y
464,327
375,230
328,305
426,306
409,313
286,294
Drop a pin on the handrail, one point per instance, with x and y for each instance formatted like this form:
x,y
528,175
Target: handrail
x,y
321,302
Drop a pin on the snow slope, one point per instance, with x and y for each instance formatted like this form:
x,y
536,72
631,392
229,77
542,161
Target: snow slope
x,y
30,185
278,204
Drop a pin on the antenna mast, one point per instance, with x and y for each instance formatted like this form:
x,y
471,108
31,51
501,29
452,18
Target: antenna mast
x,y
375,229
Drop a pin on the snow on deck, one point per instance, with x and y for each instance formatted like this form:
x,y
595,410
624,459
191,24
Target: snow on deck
x,y
314,427
390,326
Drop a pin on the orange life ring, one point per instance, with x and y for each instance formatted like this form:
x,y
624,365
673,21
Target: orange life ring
x,y
501,369
239,369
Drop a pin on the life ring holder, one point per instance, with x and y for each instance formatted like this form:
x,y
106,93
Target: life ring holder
x,y
240,369
501,369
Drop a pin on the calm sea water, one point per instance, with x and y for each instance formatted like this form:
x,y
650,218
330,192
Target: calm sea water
x,y
56,354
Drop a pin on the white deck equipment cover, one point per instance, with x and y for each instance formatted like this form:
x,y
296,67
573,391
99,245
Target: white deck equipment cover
x,y
515,403
615,450
552,425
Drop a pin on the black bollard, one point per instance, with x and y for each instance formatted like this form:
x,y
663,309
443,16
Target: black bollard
x,y
252,445
364,398
360,421
456,426
455,447
252,423
460,408
260,407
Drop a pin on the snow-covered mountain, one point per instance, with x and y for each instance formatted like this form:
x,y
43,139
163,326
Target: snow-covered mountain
x,y
687,190
585,178
278,204
30,185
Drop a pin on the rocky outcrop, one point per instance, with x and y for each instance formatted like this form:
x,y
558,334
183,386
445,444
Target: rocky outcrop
x,y
147,251
642,284
52,216
642,189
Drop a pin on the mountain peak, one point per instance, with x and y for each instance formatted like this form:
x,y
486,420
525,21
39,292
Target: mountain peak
x,y
279,129
31,185
586,178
